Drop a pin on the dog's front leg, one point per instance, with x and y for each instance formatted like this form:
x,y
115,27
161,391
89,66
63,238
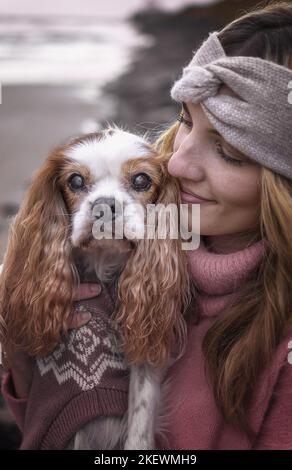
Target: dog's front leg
x,y
144,397
101,433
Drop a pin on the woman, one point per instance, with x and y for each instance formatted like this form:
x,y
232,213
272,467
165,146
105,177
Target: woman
x,y
231,389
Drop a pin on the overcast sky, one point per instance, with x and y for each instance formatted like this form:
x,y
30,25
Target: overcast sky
x,y
102,8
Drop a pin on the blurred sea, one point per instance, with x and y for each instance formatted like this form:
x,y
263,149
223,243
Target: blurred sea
x,y
49,50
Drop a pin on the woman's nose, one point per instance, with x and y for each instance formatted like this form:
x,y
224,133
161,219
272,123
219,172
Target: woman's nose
x,y
184,164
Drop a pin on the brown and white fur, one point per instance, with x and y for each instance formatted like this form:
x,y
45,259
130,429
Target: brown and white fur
x,y
54,225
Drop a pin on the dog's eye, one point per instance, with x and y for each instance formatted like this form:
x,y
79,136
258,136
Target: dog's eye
x,y
76,182
141,182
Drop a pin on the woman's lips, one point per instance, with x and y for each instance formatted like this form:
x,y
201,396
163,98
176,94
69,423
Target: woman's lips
x,y
187,197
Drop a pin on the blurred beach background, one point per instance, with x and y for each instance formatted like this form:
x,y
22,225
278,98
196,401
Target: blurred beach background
x,y
70,66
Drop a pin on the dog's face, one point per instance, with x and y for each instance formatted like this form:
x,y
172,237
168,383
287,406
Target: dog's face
x,y
109,177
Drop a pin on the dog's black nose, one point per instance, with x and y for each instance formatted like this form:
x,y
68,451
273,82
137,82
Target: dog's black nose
x,y
108,201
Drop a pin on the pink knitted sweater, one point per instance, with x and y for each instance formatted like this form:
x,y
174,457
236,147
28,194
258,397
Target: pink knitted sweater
x,y
194,421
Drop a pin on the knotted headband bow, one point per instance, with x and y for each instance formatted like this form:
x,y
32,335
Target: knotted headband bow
x,y
258,120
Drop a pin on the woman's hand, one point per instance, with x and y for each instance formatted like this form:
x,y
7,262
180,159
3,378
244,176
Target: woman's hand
x,y
84,291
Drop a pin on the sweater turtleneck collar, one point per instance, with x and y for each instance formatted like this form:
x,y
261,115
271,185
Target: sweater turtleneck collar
x,y
219,276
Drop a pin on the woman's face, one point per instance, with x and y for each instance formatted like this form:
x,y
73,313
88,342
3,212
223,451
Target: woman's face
x,y
209,167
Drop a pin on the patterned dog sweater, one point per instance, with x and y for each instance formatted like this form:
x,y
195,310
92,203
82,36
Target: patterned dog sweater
x,y
84,377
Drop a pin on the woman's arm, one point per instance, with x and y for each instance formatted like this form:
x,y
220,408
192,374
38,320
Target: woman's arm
x,y
20,374
16,405
276,430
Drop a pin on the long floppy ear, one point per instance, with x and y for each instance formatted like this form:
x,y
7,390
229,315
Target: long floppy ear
x,y
154,292
36,284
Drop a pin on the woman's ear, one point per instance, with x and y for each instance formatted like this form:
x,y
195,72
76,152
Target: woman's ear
x,y
36,284
154,293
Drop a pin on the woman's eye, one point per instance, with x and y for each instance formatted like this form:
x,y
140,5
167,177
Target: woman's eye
x,y
141,182
232,161
182,118
76,182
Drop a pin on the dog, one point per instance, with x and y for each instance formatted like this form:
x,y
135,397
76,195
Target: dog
x,y
51,245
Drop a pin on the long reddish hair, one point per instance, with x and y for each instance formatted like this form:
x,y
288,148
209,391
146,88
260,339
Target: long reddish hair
x,y
38,276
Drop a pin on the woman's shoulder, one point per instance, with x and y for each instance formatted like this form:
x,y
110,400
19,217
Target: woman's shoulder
x,y
275,398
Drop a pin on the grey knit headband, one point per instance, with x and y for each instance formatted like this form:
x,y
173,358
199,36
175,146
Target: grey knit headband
x,y
258,121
